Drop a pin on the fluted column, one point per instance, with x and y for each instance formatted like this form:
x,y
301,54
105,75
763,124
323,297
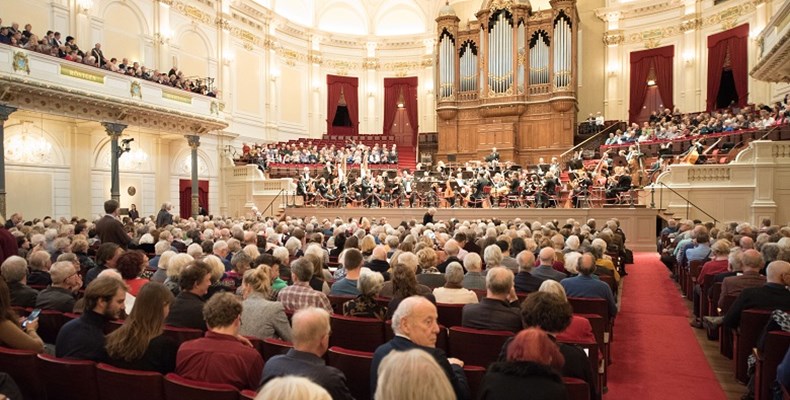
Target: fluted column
x,y
5,111
115,131
194,143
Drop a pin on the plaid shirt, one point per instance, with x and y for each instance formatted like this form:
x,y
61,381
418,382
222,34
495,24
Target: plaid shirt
x,y
300,295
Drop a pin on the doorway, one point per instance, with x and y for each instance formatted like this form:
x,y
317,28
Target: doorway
x,y
185,196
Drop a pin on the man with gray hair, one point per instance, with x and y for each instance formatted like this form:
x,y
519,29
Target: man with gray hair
x,y
311,332
221,250
751,262
499,310
300,295
474,279
546,270
770,296
378,262
524,281
451,248
66,281
14,271
416,326
159,248
164,217
586,286
40,261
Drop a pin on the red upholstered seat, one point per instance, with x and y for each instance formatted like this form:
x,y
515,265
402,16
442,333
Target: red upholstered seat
x,y
577,389
257,344
450,315
752,324
272,347
68,379
474,377
594,306
24,372
337,303
476,346
180,388
49,324
356,366
355,333
126,384
247,395
593,355
776,344
182,335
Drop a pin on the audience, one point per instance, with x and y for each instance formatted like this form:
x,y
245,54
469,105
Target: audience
x,y
187,309
12,334
83,338
66,281
261,317
524,281
140,343
586,285
311,332
131,265
474,279
453,291
498,311
365,305
292,388
412,374
300,295
14,272
772,295
347,286
223,355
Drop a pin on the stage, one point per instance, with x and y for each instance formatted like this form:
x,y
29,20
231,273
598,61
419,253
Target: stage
x,y
639,224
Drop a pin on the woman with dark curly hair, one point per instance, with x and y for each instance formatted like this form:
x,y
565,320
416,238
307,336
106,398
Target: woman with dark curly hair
x,y
131,264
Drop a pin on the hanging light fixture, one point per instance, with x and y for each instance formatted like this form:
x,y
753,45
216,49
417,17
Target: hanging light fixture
x,y
28,147
136,157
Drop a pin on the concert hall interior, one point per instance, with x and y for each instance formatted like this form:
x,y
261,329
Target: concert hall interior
x,y
648,112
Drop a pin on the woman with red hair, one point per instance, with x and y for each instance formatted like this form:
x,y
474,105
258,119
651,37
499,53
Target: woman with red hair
x,y
530,372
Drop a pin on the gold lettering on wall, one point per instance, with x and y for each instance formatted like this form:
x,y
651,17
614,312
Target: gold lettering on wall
x,y
175,96
81,74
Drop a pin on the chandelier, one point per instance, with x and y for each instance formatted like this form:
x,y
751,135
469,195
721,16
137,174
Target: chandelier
x,y
27,147
134,159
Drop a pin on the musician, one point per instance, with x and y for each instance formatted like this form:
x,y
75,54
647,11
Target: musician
x,y
623,182
493,158
656,168
408,181
393,155
547,190
542,166
327,172
582,187
448,194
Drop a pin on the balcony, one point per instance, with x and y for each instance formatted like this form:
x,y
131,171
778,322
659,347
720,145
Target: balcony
x,y
38,82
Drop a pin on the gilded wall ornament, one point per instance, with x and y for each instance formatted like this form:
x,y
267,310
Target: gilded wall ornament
x,y
135,90
613,38
21,62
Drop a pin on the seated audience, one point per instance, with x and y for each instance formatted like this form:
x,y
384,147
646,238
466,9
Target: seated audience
x,y
453,291
223,355
409,261
187,309
160,275
772,295
416,326
365,305
300,295
751,264
498,311
106,257
347,286
451,249
546,270
524,281
580,330
412,374
378,262
12,334
474,279
586,286
83,338
14,272
59,296
531,370
404,285
140,343
261,317
131,265
311,332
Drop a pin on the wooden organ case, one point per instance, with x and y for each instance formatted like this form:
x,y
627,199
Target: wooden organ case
x,y
508,81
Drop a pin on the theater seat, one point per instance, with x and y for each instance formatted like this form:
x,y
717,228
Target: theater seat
x,y
247,395
474,377
73,379
273,347
182,335
356,366
450,315
179,388
49,324
577,389
24,372
355,333
775,347
126,384
476,346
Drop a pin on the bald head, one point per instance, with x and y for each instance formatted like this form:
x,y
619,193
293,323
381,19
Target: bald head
x,y
752,260
746,243
546,256
526,260
451,248
310,327
586,264
778,272
379,253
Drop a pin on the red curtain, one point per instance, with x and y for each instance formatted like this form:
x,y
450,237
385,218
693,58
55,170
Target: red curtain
x,y
185,196
393,87
661,60
349,87
736,41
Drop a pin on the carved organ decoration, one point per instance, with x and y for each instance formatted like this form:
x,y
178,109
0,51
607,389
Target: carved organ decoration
x,y
507,80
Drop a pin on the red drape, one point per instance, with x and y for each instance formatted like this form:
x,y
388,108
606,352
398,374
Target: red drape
x,y
185,196
661,59
736,40
393,87
349,86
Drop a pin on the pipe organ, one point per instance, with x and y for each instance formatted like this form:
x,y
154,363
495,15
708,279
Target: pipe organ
x,y
507,80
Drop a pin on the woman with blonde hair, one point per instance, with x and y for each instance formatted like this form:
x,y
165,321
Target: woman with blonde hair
x,y
292,388
428,274
366,245
261,317
174,268
580,330
412,374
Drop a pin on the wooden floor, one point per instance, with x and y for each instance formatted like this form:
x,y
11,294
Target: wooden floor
x,y
721,366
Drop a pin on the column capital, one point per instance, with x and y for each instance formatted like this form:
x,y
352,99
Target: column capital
x,y
5,111
193,141
113,129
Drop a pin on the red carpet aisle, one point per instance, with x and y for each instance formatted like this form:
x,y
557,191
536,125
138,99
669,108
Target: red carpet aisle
x,y
655,354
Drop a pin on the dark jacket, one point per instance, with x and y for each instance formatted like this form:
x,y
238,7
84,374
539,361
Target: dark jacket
x,y
310,366
55,298
443,266
83,338
522,380
187,312
768,297
492,314
39,278
454,372
163,218
22,295
526,282
160,356
379,266
110,230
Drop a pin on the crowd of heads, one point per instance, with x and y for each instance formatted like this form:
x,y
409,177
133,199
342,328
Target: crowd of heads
x,y
309,153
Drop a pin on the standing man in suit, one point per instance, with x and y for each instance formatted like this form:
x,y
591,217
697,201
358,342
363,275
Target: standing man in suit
x,y
96,52
164,218
109,228
416,326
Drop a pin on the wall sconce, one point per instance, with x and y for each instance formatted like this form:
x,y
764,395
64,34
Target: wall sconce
x,y
688,58
274,74
612,69
228,57
163,37
84,6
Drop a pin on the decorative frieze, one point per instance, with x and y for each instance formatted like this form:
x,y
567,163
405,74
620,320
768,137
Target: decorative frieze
x,y
613,38
690,24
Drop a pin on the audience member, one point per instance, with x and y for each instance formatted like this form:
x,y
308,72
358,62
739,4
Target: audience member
x,y
109,228
106,257
352,261
261,317
474,279
497,311
292,388
546,270
187,309
365,305
39,263
12,334
66,281
412,374
131,265
772,295
453,291
586,286
300,294
524,281
311,332
14,272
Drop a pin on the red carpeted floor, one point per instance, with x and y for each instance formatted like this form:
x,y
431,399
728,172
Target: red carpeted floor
x,y
655,354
